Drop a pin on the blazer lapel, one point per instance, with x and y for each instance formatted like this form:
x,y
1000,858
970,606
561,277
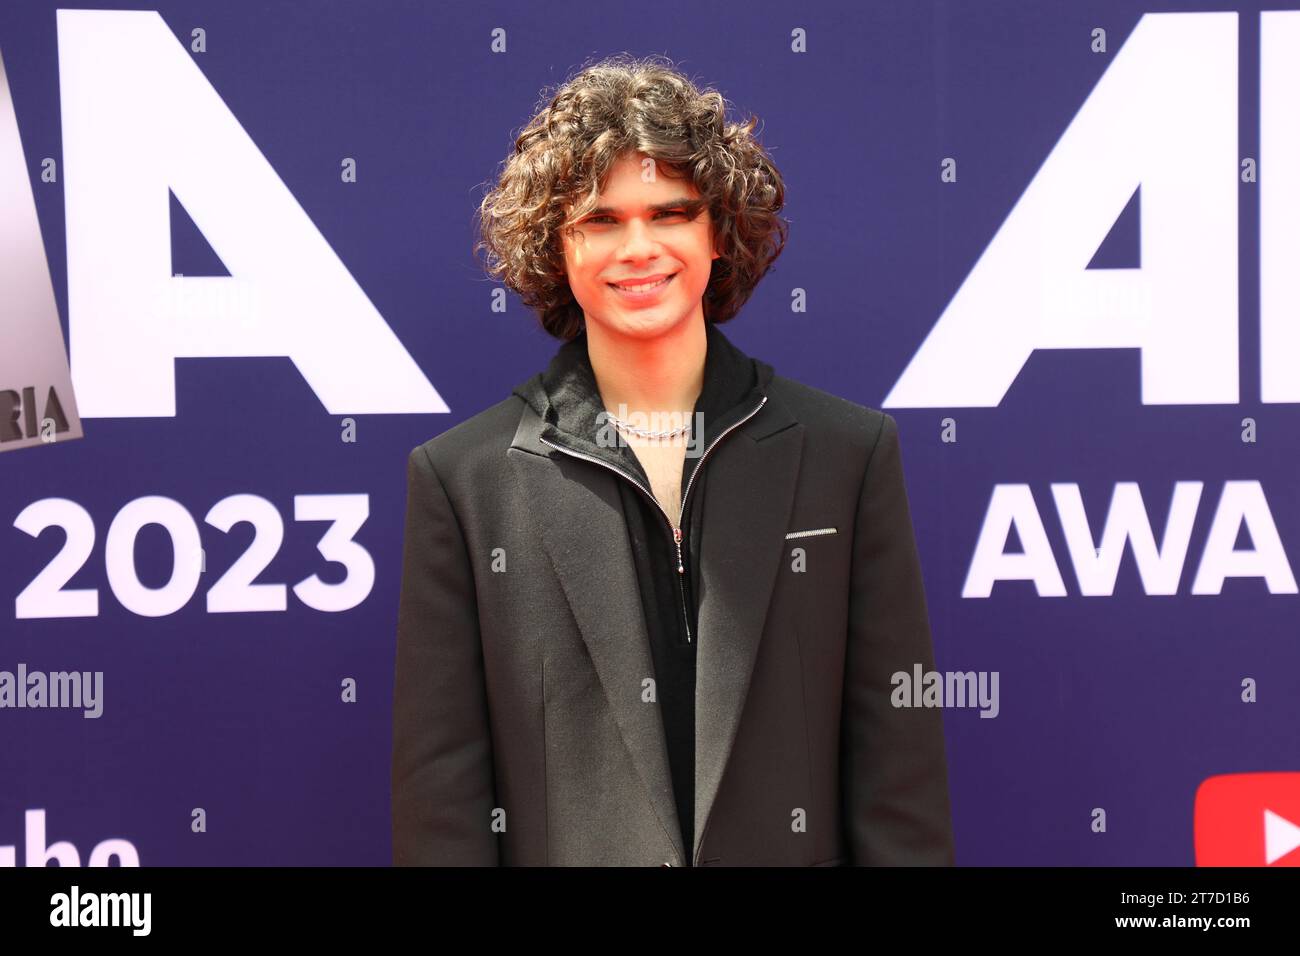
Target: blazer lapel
x,y
579,520
749,498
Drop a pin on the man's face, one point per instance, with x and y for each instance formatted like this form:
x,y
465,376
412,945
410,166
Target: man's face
x,y
627,238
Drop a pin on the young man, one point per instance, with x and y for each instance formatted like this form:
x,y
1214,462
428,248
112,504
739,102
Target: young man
x,y
652,602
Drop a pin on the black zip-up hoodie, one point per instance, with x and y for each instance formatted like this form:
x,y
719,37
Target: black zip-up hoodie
x,y
568,401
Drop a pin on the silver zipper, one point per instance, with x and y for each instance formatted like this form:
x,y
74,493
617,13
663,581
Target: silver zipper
x,y
676,531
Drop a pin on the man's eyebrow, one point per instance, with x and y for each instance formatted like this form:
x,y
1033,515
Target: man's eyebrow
x,y
682,202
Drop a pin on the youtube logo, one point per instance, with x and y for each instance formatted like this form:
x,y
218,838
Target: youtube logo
x,y
1248,819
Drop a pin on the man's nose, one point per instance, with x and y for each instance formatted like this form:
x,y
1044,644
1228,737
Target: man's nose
x,y
637,239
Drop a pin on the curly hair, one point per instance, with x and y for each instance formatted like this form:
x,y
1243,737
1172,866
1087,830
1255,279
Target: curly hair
x,y
623,106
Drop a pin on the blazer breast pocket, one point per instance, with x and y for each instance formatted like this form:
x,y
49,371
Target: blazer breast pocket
x,y
811,533
814,581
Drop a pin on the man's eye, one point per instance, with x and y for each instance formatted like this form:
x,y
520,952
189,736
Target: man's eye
x,y
663,212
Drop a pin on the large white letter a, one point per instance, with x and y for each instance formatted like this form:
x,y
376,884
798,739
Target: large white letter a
x,y
140,118
1163,117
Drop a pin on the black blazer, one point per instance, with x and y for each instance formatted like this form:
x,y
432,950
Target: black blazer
x,y
521,731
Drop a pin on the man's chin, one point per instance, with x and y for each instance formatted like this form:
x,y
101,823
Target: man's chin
x,y
648,324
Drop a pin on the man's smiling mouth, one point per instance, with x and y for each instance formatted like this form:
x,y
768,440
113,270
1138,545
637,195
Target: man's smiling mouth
x,y
643,286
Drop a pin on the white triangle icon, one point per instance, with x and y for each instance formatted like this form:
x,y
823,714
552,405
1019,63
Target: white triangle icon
x,y
1281,836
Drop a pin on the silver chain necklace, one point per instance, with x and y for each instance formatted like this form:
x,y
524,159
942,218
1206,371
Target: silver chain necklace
x,y
645,432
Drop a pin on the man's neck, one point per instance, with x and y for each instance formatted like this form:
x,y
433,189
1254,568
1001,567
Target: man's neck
x,y
664,374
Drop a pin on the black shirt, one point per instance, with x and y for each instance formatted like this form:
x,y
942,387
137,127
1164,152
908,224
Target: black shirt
x,y
567,398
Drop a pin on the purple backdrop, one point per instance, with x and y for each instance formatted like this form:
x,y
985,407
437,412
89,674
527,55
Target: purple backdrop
x,y
1124,702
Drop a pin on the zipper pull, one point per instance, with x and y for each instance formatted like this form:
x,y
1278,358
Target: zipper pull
x,y
677,537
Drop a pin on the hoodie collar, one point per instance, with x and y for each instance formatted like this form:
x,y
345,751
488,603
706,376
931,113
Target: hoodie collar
x,y
567,400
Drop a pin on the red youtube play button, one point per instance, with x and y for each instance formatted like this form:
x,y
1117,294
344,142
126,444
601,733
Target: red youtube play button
x,y
1248,819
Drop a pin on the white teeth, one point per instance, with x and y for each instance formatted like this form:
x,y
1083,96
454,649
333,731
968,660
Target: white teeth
x,y
643,288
